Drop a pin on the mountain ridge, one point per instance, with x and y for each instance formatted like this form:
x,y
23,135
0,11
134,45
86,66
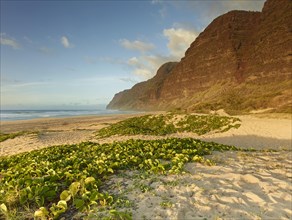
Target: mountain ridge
x,y
240,62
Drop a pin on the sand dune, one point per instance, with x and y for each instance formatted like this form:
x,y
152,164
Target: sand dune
x,y
258,133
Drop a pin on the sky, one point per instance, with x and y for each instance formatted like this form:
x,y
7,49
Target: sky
x,y
78,54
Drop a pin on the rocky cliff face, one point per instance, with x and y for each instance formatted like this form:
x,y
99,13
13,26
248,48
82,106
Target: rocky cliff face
x,y
143,95
241,61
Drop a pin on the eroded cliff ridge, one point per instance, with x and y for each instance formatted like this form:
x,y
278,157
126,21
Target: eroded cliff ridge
x,y
241,61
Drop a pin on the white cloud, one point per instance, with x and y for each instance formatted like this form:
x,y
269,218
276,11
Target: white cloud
x,y
4,40
179,39
65,42
136,45
133,61
155,61
141,67
146,66
143,72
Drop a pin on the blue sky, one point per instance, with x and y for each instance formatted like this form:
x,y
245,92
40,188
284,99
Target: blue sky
x,y
78,54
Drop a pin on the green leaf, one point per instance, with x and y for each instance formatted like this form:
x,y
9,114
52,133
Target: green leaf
x,y
79,203
62,204
65,195
94,196
3,208
41,176
56,210
74,188
42,212
49,195
39,200
85,197
89,180
110,170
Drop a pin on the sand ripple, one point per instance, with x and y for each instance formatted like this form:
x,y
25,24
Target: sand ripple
x,y
224,191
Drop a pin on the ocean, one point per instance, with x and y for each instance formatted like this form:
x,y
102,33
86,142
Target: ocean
x,y
14,115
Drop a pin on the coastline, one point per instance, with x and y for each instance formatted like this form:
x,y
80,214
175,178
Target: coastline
x,y
46,132
64,122
254,132
249,185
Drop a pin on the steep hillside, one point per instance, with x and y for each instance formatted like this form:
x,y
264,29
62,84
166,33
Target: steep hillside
x,y
145,94
240,62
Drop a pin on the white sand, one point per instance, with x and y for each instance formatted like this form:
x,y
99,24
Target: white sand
x,y
258,133
240,186
53,131
251,185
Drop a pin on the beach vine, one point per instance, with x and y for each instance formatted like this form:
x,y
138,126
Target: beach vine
x,y
61,181
170,123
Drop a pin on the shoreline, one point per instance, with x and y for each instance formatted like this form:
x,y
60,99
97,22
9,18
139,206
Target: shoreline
x,y
5,126
43,123
23,115
254,132
49,132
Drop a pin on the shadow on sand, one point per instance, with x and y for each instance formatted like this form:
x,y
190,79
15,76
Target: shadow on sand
x,y
252,141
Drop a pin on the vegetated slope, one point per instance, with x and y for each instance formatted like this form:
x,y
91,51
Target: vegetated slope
x,y
240,62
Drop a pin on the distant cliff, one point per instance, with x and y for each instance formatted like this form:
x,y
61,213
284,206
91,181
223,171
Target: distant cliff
x,y
144,95
241,61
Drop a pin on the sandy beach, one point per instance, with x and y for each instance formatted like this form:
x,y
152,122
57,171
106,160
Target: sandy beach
x,y
242,185
53,131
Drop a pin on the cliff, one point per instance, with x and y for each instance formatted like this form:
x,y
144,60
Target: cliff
x,y
241,61
143,95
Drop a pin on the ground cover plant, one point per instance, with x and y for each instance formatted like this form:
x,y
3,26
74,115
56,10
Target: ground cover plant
x,y
169,124
60,181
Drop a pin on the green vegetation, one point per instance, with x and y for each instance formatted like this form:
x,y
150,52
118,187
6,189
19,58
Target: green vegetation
x,y
62,181
169,124
148,124
4,137
202,124
243,98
